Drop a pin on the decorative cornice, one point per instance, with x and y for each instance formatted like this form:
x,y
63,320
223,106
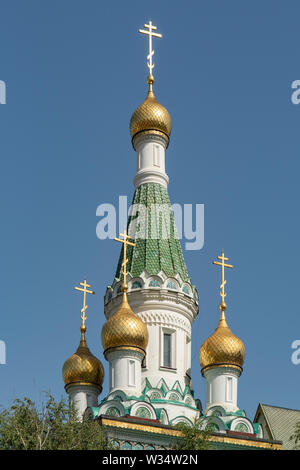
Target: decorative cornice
x,y
150,136
144,300
90,385
150,175
222,365
245,441
140,353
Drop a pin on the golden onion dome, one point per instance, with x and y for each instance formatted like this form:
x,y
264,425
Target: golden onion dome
x,y
151,116
82,367
124,329
222,348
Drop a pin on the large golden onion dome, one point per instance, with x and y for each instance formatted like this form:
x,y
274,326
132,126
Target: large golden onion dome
x,y
151,116
82,367
222,348
124,329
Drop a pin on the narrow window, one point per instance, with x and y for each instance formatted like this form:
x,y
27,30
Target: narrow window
x,y
131,373
167,350
229,390
138,161
112,376
156,155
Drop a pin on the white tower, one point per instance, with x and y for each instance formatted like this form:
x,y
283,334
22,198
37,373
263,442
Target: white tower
x,y
221,358
124,339
160,291
83,373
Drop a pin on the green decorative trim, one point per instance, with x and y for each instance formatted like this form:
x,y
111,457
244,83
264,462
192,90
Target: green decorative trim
x,y
163,387
143,412
173,396
186,390
255,427
241,427
154,396
112,411
159,412
177,388
177,403
184,420
95,410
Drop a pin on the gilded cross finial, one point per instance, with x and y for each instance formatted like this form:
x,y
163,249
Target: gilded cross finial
x,y
125,242
84,307
222,286
149,32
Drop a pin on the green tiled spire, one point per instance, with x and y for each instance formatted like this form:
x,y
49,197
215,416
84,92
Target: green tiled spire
x,y
156,252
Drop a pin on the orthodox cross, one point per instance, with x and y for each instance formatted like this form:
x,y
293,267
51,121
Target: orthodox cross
x,y
85,291
151,34
125,242
223,266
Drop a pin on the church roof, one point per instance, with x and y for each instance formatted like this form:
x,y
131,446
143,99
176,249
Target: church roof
x,y
154,251
279,422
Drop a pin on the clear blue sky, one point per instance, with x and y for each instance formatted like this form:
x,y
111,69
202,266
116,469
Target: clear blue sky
x,y
75,71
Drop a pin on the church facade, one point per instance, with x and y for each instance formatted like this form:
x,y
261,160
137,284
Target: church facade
x,y
150,307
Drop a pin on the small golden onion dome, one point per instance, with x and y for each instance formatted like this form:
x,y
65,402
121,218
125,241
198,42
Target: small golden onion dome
x,y
151,116
222,348
124,329
82,367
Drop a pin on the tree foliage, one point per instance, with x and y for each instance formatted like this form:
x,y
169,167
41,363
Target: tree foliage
x,y
296,436
194,437
52,426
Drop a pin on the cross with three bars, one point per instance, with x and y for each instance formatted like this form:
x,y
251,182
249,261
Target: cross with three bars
x,y
223,266
85,291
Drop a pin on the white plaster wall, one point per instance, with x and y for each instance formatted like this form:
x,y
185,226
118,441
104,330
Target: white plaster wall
x,y
150,151
125,371
83,396
180,362
222,388
163,310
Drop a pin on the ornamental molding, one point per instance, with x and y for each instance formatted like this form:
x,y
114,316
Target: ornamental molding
x,y
150,136
117,353
171,284
156,302
166,319
111,404
143,404
150,175
245,421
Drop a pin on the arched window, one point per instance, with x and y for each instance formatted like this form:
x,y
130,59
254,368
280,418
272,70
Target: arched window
x,y
212,427
241,427
188,401
136,285
112,411
174,397
186,290
155,396
171,285
143,412
115,444
154,283
138,446
126,446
